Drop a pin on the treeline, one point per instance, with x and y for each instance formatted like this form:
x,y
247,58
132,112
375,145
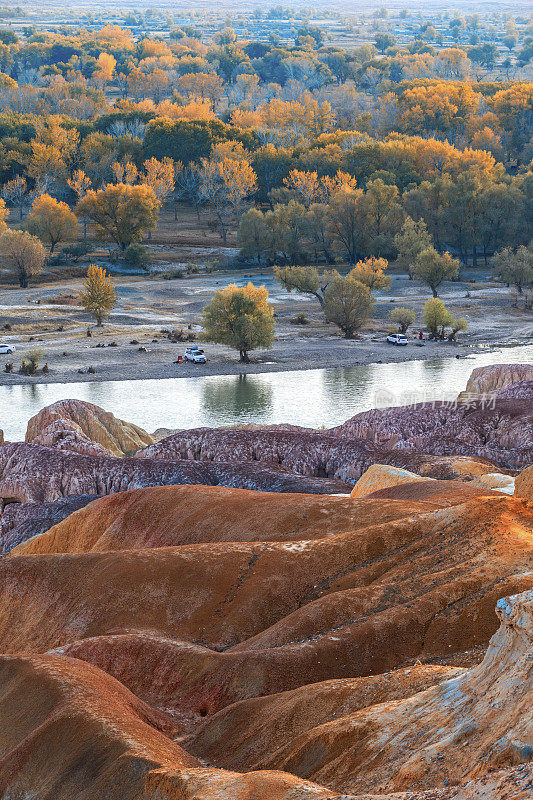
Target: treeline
x,y
448,93
332,219
344,197
317,155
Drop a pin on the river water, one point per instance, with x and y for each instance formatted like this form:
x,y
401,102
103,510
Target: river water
x,y
314,398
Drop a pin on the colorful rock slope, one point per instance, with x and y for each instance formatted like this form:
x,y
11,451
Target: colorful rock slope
x,y
91,423
222,621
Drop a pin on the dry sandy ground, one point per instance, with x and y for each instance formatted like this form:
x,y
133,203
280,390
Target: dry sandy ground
x,y
149,305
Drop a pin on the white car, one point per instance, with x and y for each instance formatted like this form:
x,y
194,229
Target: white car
x,y
195,355
397,338
6,348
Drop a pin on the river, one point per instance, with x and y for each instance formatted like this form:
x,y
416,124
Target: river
x,y
314,398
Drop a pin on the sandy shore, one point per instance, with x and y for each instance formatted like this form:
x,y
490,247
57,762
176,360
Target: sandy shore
x,y
134,343
128,364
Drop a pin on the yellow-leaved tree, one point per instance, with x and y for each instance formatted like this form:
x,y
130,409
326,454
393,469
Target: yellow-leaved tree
x,y
371,272
98,296
240,317
52,221
225,180
122,212
22,254
4,213
159,176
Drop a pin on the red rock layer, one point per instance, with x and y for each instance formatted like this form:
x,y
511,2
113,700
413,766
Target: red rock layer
x,y
457,732
69,730
174,515
353,603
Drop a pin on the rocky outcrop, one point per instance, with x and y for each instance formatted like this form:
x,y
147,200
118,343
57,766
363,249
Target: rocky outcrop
x,y
66,435
498,482
342,605
524,484
31,473
458,732
304,453
98,426
166,516
462,466
499,430
22,521
437,494
69,730
521,390
492,379
382,476
301,452
267,725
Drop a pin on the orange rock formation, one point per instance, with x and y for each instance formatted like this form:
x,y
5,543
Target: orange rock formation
x,y
175,641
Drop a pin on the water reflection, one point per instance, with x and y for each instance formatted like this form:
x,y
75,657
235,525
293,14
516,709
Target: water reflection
x,y
237,398
352,381
312,398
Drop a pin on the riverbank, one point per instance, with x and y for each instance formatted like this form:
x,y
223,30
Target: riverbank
x,y
313,398
157,360
137,342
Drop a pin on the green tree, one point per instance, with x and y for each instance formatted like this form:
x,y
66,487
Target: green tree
x,y
287,232
137,255
456,324
383,41
514,267
345,224
379,217
190,140
98,296
436,316
433,268
403,317
254,236
305,280
241,318
348,304
317,223
271,165
412,239
484,54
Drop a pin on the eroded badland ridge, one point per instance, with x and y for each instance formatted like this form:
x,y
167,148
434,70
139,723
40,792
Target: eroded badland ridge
x,y
275,613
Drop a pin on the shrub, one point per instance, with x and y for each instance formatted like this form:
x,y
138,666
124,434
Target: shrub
x,y
137,255
73,252
32,360
403,317
172,274
300,319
